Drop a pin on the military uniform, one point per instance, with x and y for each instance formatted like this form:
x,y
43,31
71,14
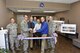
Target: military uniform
x,y
12,28
25,33
52,28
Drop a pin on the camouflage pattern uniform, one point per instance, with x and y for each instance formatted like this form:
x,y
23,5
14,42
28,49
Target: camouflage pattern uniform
x,y
52,28
12,28
25,33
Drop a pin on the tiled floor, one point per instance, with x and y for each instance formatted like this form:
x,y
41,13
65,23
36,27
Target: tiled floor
x,y
64,45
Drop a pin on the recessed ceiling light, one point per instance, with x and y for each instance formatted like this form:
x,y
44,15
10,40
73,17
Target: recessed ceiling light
x,y
49,11
23,10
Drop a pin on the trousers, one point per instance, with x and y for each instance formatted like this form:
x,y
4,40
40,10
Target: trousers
x,y
43,44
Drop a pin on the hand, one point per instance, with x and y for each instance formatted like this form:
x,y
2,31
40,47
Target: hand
x,y
30,29
34,31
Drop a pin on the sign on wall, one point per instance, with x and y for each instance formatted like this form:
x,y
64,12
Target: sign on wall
x,y
68,28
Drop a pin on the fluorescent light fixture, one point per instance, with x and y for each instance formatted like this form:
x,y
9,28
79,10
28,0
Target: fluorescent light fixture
x,y
23,10
49,11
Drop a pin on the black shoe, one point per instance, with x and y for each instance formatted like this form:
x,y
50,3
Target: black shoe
x,y
31,48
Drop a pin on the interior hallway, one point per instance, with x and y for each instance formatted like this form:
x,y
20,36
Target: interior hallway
x,y
64,45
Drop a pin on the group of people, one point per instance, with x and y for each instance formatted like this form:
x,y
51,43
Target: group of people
x,y
32,27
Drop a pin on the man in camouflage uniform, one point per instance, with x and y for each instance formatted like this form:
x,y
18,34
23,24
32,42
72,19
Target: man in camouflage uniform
x,y
12,28
25,32
52,28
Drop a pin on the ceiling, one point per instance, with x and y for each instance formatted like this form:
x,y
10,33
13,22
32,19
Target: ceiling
x,y
39,10
34,10
56,1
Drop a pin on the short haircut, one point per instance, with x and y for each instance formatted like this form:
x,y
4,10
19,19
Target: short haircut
x,y
11,18
44,18
25,15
